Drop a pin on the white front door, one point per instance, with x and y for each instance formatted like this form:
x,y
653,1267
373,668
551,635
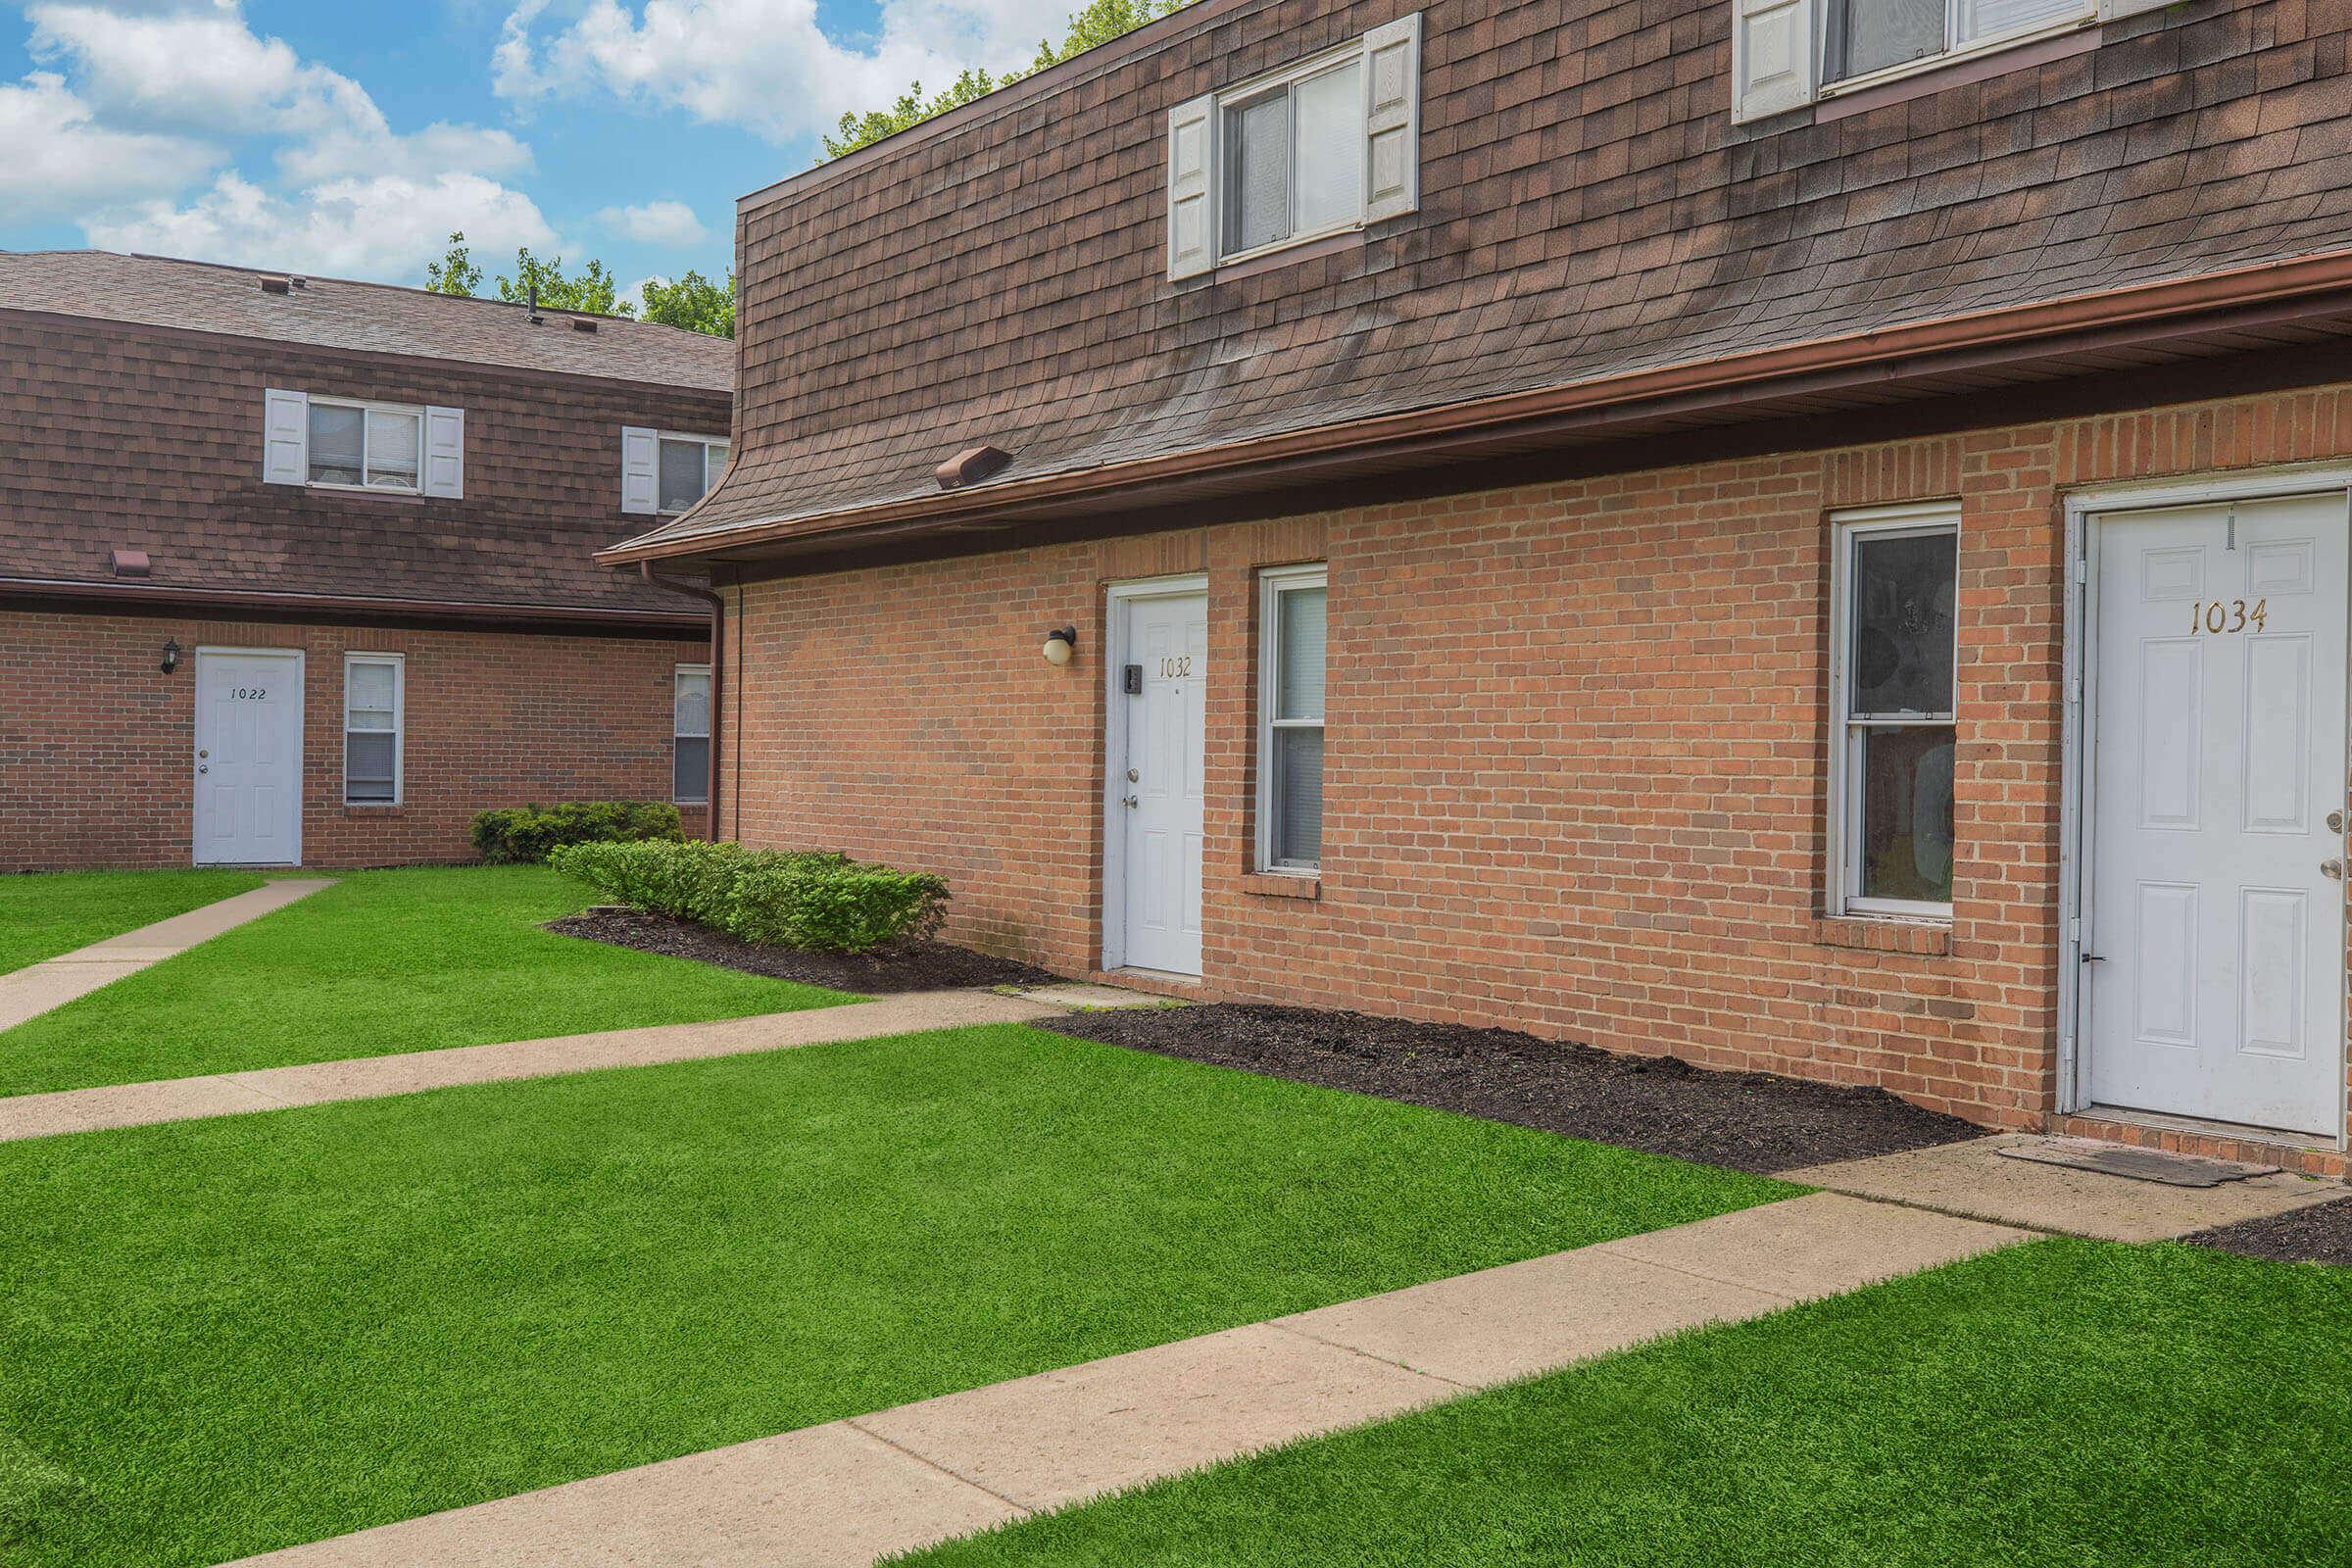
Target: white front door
x,y
2213,941
248,763
1159,782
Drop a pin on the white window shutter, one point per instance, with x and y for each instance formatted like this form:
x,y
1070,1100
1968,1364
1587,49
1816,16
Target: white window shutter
x,y
1191,187
285,438
640,469
1392,119
2111,9
445,451
1773,54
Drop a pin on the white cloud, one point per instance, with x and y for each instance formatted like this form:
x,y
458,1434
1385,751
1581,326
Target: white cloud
x,y
763,65
383,227
59,160
149,88
654,224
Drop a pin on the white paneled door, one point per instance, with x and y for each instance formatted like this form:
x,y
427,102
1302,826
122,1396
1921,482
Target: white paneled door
x,y
1159,782
247,769
2213,944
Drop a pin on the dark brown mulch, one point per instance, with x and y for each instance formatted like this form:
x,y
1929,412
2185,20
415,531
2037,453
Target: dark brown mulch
x,y
907,966
2320,1234
1749,1121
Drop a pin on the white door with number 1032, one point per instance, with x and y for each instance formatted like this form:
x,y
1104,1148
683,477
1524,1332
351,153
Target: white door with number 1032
x,y
1162,782
247,769
2213,943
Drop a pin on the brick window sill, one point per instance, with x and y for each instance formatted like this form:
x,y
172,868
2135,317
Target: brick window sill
x,y
1282,885
1925,939
359,809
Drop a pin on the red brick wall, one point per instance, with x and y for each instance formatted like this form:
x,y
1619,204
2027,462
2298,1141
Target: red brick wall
x,y
1575,757
97,743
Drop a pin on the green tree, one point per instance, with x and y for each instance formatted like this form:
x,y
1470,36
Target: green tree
x,y
694,303
455,273
1101,22
593,291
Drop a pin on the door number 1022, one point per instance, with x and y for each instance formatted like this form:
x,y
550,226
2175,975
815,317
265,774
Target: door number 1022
x,y
2219,617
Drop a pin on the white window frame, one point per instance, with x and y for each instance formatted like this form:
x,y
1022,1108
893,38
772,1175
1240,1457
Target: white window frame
x,y
367,409
1286,81
710,478
1272,584
1846,732
711,723
2084,15
400,725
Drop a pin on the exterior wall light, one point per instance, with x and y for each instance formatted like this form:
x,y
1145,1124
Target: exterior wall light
x,y
1058,645
170,655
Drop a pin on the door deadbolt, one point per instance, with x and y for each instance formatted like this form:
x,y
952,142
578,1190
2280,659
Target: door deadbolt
x,y
2336,821
2332,867
1133,776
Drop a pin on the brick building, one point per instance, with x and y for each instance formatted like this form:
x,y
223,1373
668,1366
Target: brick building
x,y
1786,532
300,570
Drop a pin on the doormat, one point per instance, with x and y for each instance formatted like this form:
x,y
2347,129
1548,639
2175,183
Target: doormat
x,y
2135,1164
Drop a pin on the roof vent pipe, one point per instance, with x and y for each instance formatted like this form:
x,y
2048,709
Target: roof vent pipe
x,y
532,304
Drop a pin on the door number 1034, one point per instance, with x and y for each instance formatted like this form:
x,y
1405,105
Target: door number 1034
x,y
2220,616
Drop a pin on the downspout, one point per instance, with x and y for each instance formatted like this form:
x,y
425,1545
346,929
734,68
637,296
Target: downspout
x,y
719,678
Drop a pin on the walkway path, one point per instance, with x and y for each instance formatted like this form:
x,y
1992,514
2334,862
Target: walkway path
x,y
849,1492
35,989
76,1110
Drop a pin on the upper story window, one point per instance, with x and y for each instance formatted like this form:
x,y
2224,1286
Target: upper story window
x,y
1788,53
1321,147
662,472
340,443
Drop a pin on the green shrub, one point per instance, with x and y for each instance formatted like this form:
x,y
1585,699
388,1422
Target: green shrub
x,y
522,835
819,902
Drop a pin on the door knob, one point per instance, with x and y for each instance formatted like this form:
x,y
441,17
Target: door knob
x,y
201,768
2332,867
1129,799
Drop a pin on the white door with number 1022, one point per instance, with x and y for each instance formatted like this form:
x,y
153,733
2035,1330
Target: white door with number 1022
x,y
248,764
2213,944
1162,782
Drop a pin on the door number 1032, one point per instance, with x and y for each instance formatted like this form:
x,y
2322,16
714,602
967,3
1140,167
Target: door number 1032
x,y
2219,617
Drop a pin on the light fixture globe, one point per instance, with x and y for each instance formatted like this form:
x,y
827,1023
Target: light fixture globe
x,y
1059,643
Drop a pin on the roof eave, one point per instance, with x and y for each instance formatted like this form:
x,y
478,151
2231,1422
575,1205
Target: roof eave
x,y
2308,285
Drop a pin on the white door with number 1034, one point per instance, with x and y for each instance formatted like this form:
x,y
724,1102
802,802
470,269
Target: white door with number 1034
x,y
2213,944
247,769
1162,782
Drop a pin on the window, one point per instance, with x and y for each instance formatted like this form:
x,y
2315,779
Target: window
x,y
1864,37
662,473
1894,589
371,729
1291,611
690,733
1328,145
353,444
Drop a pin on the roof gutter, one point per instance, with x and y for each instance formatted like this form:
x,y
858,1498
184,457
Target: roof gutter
x,y
2298,287
162,595
718,680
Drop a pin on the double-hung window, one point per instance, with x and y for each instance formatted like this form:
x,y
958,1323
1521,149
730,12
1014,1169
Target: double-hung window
x,y
1894,592
662,472
1293,606
690,736
1861,37
1323,146
371,728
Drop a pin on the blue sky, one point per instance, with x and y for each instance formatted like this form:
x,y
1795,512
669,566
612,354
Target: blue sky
x,y
347,139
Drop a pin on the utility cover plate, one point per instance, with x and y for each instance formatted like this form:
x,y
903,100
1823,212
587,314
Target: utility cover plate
x,y
2135,1164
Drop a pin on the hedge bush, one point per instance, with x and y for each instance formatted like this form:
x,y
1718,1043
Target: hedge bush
x,y
524,835
819,902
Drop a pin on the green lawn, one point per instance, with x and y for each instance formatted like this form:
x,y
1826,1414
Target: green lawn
x,y
2072,1402
50,912
225,1335
380,963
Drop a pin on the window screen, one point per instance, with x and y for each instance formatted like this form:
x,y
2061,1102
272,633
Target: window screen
x,y
686,472
372,701
338,444
690,729
1866,36
1290,733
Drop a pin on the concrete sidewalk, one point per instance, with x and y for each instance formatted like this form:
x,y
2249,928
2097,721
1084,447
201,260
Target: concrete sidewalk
x,y
849,1492
78,1111
35,989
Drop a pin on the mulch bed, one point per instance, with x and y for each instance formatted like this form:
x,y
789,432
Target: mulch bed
x,y
905,966
1748,1121
2320,1234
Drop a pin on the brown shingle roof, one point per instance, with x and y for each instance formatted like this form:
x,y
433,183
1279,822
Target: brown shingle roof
x,y
368,318
1588,211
